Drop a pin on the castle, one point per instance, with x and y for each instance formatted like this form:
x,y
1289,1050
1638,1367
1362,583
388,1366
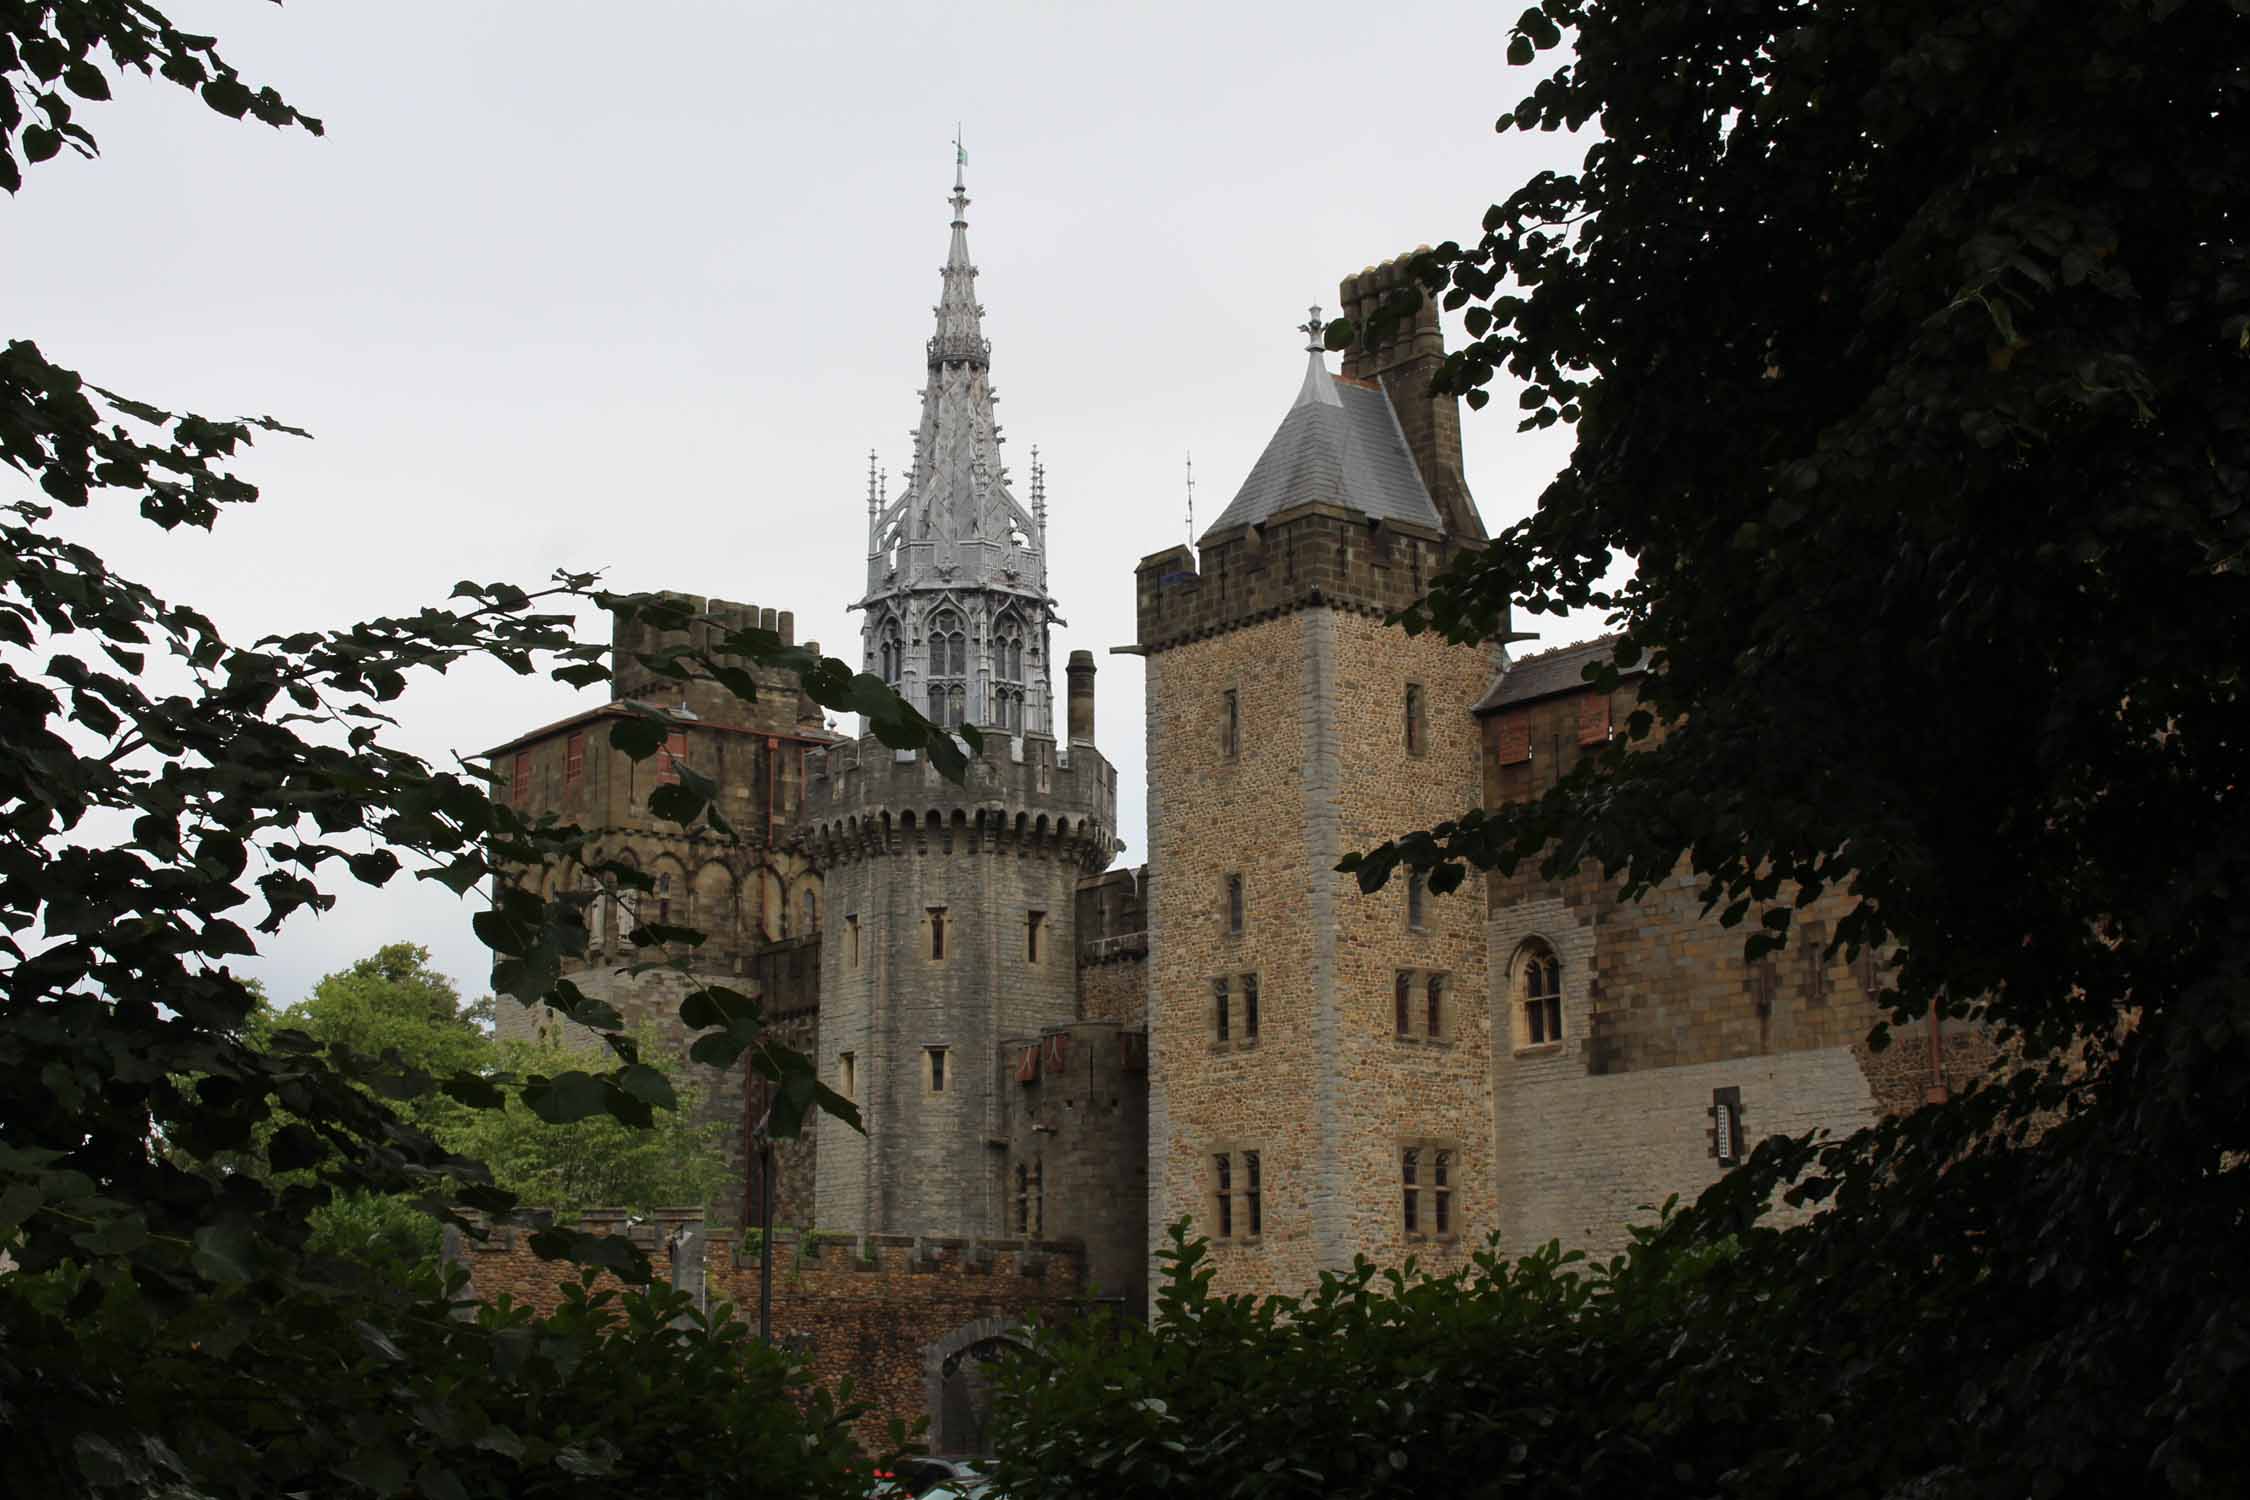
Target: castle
x,y
1053,1061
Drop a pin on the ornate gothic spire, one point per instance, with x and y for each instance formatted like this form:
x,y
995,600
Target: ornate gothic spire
x,y
957,606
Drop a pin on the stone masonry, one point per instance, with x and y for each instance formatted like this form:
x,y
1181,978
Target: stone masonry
x,y
1665,1028
1287,724
746,892
955,906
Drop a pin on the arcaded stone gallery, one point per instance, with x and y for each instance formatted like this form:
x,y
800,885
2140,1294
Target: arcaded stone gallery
x,y
1054,1061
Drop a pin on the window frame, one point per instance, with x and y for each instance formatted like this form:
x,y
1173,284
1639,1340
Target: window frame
x,y
1033,921
574,758
1428,1180
847,1074
1230,724
1235,903
934,1060
1417,715
1535,997
937,916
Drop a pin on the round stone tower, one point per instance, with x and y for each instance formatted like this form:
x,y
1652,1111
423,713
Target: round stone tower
x,y
951,907
952,912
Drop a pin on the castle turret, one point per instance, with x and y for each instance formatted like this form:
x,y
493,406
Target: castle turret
x,y
1320,1065
952,906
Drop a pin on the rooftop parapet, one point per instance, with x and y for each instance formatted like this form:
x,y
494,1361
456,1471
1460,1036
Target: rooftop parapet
x,y
863,798
1307,557
780,705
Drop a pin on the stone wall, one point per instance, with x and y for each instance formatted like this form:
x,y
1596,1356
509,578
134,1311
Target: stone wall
x,y
743,890
891,1312
1113,947
1074,1110
995,863
1662,1020
1328,1094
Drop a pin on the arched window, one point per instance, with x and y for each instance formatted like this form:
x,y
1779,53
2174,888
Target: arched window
x,y
949,647
1007,648
949,665
889,653
1537,982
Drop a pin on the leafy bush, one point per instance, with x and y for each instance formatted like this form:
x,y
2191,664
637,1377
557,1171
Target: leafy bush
x,y
408,1392
1376,1382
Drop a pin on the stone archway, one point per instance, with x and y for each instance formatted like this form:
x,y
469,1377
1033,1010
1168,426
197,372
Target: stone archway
x,y
956,1389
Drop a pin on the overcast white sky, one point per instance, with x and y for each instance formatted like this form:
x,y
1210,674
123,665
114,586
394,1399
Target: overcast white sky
x,y
637,287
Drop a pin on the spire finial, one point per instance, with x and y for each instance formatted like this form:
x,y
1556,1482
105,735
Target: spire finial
x,y
872,496
1318,389
960,158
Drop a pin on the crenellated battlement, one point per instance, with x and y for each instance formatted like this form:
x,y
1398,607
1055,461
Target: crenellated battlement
x,y
1315,556
1022,795
780,706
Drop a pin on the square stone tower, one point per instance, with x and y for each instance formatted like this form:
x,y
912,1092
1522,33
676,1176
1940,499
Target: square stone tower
x,y
1320,1067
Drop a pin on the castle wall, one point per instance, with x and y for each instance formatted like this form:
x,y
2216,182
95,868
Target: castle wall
x,y
1074,1107
1328,1095
1662,1019
757,901
889,1312
1431,1091
1211,816
1113,947
905,850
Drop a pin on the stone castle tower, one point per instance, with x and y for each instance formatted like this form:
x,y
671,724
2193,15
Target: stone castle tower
x,y
1320,1061
953,908
755,896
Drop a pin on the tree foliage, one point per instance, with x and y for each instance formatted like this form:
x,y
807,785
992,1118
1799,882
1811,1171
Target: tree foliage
x,y
1509,1377
167,796
394,1009
1908,353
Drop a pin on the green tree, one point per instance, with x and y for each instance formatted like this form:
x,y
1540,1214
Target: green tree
x,y
393,1001
163,1326
1908,352
597,1162
392,1009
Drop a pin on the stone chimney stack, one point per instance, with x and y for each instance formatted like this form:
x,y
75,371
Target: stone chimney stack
x,y
1404,362
1081,674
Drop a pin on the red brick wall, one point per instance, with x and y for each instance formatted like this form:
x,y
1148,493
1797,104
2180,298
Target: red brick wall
x,y
875,1318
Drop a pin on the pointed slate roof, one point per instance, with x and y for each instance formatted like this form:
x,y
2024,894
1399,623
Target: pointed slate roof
x,y
1340,444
